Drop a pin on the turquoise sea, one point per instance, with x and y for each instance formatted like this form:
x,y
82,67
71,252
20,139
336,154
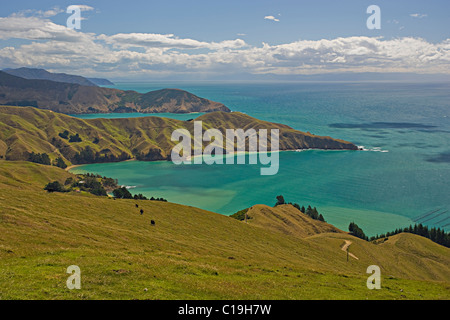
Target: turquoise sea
x,y
403,175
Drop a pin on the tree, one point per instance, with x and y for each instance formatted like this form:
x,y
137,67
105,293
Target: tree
x,y
122,193
41,158
140,196
64,135
241,215
280,200
75,138
59,162
54,186
357,231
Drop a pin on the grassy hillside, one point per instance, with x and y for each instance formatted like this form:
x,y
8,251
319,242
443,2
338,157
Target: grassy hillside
x,y
189,253
74,98
287,220
24,130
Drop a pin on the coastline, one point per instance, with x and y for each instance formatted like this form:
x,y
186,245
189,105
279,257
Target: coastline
x,y
227,155
72,167
79,165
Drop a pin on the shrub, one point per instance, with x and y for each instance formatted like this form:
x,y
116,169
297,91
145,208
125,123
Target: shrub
x,y
64,135
280,200
39,158
75,138
122,193
357,231
59,162
240,215
54,186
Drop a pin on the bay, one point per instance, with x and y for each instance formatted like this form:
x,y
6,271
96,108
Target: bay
x,y
403,174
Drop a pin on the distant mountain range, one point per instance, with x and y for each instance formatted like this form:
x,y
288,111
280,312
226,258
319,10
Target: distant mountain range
x,y
73,98
41,74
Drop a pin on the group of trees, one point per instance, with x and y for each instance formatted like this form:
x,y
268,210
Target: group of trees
x,y
55,186
72,138
59,162
123,193
88,155
75,138
437,235
43,158
357,231
64,135
94,184
240,215
311,212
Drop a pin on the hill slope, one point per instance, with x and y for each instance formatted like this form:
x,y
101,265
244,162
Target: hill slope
x,y
74,98
24,130
188,254
288,220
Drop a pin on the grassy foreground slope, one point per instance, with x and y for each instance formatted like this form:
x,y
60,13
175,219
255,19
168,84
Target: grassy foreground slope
x,y
189,253
25,129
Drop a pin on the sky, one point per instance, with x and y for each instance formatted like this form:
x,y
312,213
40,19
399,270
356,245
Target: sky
x,y
210,39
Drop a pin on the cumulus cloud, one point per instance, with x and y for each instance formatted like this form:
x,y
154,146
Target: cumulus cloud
x,y
271,18
40,13
55,47
36,28
127,40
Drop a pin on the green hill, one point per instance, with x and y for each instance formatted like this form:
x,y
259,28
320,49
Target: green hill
x,y
189,253
287,220
24,130
73,98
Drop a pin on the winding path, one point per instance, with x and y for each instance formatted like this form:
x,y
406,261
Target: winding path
x,y
344,248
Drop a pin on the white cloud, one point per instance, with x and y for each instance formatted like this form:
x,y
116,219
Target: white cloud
x,y
271,18
418,15
39,13
36,28
128,40
55,47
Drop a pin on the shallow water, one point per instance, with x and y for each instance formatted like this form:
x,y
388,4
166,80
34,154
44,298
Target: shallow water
x,y
403,175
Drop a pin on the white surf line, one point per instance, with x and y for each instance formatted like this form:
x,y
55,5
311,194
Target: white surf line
x,y
344,248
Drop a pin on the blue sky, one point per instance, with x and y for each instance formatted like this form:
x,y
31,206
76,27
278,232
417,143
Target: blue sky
x,y
160,38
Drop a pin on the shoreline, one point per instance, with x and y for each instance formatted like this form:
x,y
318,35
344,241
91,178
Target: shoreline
x,y
84,164
224,156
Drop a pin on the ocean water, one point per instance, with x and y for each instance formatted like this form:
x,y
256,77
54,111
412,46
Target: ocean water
x,y
401,177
